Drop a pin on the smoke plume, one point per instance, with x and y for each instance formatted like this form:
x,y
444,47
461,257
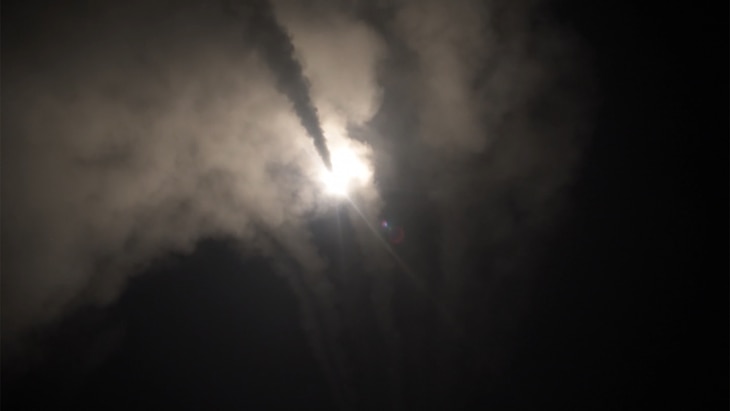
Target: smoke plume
x,y
275,45
135,129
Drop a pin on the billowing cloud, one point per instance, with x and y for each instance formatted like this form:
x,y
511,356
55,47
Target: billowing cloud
x,y
502,105
151,126
125,145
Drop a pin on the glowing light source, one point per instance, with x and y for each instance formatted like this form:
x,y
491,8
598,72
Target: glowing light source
x,y
348,169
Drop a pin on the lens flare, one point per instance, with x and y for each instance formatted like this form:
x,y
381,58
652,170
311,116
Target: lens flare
x,y
348,171
393,232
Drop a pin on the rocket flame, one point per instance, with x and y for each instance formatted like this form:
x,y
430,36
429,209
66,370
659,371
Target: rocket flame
x,y
348,170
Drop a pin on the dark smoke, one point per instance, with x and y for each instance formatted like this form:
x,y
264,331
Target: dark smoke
x,y
277,49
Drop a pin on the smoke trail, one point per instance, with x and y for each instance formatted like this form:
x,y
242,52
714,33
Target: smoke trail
x,y
277,49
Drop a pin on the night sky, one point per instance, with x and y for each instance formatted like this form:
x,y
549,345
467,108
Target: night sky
x,y
548,168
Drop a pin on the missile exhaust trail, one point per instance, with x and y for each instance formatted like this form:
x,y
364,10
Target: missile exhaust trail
x,y
277,50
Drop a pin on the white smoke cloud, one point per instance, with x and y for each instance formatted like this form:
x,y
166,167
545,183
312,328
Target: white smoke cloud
x,y
150,129
140,143
451,45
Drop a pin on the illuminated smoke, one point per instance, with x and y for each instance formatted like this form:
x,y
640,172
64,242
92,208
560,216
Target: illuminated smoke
x,y
132,140
275,45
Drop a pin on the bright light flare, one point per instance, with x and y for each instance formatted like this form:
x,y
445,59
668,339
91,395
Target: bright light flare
x,y
348,170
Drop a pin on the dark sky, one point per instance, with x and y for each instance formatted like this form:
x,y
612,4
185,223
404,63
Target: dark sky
x,y
550,163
